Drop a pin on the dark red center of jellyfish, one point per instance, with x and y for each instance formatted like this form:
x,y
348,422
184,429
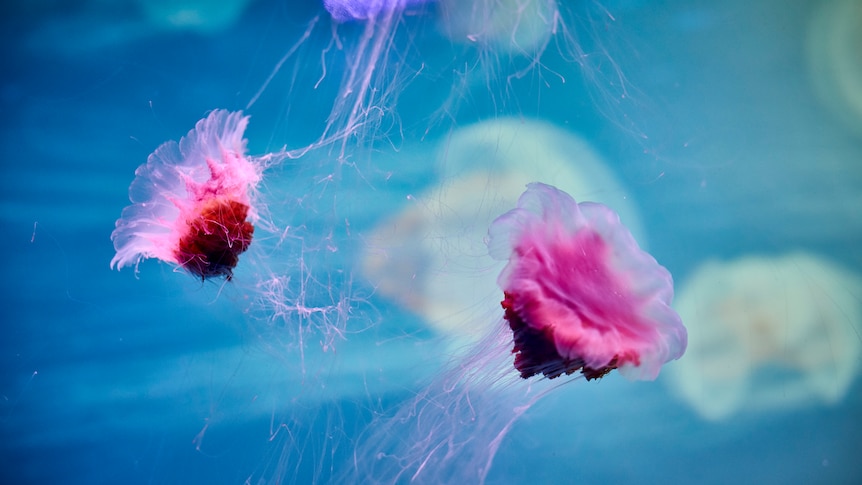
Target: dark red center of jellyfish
x,y
536,353
213,241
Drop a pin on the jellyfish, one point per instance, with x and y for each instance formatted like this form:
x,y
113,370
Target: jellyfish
x,y
520,27
579,292
193,201
768,333
579,296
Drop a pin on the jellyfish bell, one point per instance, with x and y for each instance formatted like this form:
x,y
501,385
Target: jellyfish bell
x,y
193,201
580,294
768,333
512,26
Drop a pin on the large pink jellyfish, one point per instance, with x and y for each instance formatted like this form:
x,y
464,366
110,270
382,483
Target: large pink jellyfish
x,y
580,294
192,201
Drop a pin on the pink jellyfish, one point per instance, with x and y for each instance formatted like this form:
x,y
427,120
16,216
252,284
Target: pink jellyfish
x,y
580,294
192,202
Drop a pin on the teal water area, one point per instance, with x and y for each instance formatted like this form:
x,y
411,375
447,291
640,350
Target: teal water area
x,y
730,131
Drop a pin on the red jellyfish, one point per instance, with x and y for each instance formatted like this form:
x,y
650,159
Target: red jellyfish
x,y
192,201
580,294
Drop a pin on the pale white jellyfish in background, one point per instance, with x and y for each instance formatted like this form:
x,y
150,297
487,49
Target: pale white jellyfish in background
x,y
768,333
516,26
431,257
834,43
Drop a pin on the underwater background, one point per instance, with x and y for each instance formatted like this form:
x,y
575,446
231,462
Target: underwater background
x,y
728,136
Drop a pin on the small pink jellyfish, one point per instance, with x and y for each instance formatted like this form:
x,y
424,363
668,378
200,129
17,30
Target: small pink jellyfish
x,y
580,294
192,201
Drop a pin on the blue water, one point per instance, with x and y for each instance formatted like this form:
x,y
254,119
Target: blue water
x,y
704,112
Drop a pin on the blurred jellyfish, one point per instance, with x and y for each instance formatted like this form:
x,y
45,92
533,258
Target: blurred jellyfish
x,y
431,258
768,333
579,296
516,26
834,37
193,202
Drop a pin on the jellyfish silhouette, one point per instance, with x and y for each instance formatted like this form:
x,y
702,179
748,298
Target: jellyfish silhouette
x,y
192,201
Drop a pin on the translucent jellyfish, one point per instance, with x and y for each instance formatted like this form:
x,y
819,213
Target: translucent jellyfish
x,y
579,295
518,26
834,37
193,201
768,333
431,257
